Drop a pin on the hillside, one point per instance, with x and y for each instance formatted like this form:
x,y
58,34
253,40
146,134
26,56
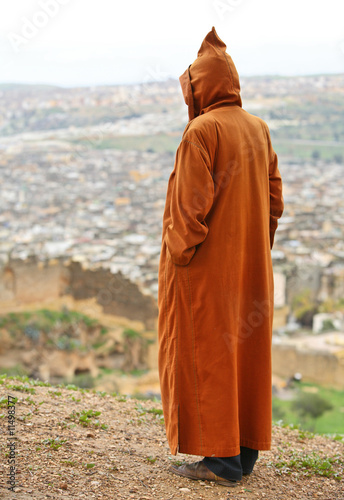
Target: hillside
x,y
75,443
304,113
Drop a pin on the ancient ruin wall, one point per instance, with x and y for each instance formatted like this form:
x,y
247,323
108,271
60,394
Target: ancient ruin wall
x,y
25,282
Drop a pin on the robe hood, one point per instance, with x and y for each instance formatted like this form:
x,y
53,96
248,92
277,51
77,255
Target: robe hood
x,y
212,79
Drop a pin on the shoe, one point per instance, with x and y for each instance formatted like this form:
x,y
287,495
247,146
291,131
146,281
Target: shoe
x,y
197,470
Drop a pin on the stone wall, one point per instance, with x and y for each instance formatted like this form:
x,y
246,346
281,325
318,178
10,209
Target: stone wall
x,y
32,281
115,293
323,283
316,367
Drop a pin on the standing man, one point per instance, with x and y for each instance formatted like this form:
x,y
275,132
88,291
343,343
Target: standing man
x,y
215,277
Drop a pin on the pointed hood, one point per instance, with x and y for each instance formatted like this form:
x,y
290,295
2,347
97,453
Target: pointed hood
x,y
212,79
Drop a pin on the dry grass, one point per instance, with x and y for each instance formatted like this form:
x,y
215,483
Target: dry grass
x,y
67,449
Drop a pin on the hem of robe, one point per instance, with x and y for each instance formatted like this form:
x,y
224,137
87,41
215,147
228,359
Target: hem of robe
x,y
231,451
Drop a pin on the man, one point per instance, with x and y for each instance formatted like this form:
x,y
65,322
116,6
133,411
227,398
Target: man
x,y
215,277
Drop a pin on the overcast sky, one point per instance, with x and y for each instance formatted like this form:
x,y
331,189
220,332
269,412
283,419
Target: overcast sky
x,y
89,42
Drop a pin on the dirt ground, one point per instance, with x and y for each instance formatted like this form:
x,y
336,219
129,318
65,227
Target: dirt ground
x,y
61,451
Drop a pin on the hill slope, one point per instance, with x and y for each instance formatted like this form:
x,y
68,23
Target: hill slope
x,y
66,449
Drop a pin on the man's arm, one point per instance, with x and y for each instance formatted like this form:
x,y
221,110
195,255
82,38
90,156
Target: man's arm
x,y
276,198
191,200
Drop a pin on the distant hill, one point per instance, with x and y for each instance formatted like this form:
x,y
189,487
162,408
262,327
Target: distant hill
x,y
27,86
305,114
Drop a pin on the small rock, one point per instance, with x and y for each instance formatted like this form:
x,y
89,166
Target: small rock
x,y
184,490
63,486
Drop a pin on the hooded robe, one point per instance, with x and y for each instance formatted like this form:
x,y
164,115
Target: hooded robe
x,y
216,289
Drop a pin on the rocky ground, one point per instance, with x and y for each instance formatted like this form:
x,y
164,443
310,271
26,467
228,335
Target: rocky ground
x,y
79,444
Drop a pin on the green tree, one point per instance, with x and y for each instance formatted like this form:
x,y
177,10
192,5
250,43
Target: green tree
x,y
310,406
304,308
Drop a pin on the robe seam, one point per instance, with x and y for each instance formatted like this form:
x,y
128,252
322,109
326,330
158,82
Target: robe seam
x,y
216,149
226,452
194,361
166,322
197,146
227,63
176,357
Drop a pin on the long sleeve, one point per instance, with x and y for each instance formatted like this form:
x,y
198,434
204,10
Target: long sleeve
x,y
191,199
276,197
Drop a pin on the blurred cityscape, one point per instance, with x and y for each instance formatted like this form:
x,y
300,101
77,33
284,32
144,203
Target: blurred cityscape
x,y
84,174
84,171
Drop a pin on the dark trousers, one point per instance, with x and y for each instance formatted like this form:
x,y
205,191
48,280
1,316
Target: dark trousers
x,y
233,468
